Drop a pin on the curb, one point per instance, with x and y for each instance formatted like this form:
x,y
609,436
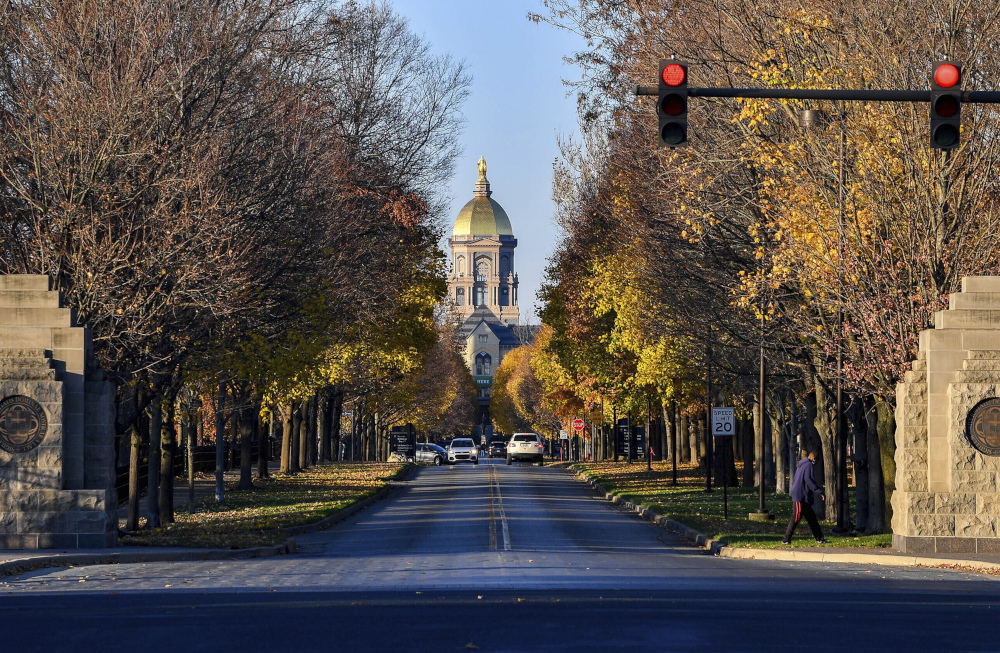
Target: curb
x,y
34,563
719,548
853,558
15,567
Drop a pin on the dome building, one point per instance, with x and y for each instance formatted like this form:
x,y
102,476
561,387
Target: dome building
x,y
483,285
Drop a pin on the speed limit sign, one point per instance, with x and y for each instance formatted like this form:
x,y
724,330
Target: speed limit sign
x,y
723,421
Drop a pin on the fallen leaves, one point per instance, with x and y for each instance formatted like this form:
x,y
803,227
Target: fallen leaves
x,y
250,518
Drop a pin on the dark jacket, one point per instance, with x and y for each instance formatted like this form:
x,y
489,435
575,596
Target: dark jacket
x,y
804,484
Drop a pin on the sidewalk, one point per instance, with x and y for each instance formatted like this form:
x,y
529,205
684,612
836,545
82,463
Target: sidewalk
x,y
845,555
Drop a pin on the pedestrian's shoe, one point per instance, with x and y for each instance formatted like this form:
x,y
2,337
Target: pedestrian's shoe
x,y
823,541
786,542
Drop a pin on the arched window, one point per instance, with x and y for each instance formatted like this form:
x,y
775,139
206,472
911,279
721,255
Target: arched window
x,y
504,266
482,271
460,296
483,364
460,264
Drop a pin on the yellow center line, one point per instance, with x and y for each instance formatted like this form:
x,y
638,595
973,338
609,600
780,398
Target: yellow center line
x,y
493,521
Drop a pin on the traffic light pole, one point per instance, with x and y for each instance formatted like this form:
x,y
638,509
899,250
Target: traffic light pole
x,y
980,97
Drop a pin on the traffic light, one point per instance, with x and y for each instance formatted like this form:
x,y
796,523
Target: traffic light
x,y
672,107
946,105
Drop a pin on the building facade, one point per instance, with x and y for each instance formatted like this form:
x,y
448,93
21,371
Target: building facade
x,y
483,286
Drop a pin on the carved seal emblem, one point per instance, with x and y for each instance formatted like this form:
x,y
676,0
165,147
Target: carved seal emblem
x,y
22,424
982,427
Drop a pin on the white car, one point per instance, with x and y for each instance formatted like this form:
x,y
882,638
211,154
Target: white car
x,y
525,446
463,450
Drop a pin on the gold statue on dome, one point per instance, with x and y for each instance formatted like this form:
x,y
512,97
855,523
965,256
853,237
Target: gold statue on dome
x,y
482,168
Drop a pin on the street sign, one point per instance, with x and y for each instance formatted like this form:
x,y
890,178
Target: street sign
x,y
563,435
723,421
403,440
578,424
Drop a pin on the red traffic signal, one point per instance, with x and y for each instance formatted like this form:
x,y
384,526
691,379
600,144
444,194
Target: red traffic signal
x,y
947,75
673,74
671,108
946,105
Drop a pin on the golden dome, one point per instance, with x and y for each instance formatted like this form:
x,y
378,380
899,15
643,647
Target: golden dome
x,y
482,216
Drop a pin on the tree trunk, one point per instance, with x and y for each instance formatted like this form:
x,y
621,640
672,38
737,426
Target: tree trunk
x,y
264,434
685,436
313,429
701,443
295,464
325,420
758,436
153,491
778,447
887,455
747,436
135,456
304,428
825,430
338,415
168,447
794,435
859,437
362,435
220,444
192,433
287,428
876,489
247,427
668,432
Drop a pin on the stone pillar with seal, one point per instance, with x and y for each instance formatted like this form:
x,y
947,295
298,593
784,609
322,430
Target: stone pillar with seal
x,y
57,425
947,497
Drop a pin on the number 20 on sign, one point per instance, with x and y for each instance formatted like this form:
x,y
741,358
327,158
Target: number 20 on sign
x,y
723,421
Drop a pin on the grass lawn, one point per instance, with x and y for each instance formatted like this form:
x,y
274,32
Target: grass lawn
x,y
249,518
689,504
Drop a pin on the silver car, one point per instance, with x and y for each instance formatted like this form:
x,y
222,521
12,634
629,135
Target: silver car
x,y
430,453
463,450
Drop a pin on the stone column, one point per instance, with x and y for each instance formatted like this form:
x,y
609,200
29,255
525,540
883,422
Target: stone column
x,y
947,496
56,425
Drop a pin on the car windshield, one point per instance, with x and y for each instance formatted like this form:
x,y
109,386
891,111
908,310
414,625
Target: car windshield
x,y
530,437
461,443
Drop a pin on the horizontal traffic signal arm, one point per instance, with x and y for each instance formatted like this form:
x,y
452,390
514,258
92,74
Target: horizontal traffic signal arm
x,y
968,97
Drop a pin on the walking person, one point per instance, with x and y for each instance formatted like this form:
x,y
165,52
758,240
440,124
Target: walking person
x,y
804,489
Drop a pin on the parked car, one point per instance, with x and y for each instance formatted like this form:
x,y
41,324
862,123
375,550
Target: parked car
x,y
497,448
525,446
430,453
463,450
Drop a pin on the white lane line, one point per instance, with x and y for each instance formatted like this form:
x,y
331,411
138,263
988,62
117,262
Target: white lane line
x,y
503,516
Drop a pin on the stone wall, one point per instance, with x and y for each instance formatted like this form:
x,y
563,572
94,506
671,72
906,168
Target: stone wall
x,y
947,496
61,492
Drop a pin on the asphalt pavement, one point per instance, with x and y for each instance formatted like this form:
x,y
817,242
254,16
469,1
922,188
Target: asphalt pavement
x,y
500,558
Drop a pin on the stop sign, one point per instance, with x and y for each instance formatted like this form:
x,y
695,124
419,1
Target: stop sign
x,y
578,424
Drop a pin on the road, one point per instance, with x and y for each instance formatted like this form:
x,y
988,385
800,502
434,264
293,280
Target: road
x,y
499,558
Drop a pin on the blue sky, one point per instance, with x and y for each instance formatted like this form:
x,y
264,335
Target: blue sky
x,y
517,108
